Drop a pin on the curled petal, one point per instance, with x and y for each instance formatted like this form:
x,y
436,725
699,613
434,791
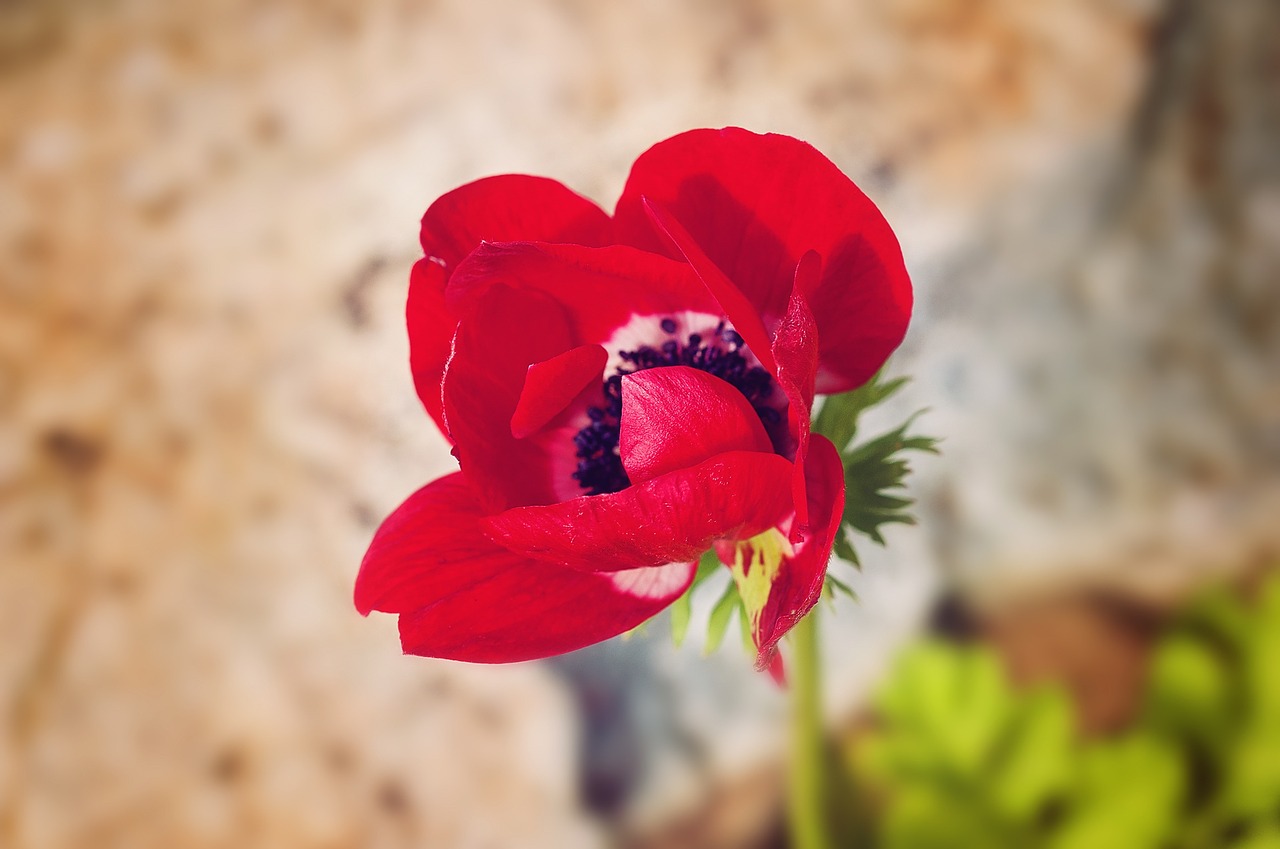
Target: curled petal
x,y
492,350
740,310
678,416
600,288
795,350
462,597
780,579
550,386
670,518
754,204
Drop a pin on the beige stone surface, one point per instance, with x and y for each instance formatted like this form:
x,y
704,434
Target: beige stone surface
x,y
207,213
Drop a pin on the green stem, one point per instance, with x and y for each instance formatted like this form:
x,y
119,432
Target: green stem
x,y
806,806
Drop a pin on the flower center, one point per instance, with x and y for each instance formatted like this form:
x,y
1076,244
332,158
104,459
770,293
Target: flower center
x,y
720,352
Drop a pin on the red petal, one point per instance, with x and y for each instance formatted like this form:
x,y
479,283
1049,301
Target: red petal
x,y
798,585
677,416
755,204
795,348
508,330
462,597
431,329
428,548
553,384
514,206
741,311
508,208
777,670
601,288
531,610
670,518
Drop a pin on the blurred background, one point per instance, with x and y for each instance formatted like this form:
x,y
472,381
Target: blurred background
x,y
208,210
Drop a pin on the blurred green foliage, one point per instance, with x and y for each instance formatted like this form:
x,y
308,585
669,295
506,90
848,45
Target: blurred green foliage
x,y
959,758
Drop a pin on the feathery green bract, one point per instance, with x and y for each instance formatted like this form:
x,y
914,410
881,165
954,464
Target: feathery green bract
x,y
838,418
874,469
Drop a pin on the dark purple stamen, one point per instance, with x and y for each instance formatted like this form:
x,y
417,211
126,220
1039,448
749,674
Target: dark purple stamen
x,y
599,466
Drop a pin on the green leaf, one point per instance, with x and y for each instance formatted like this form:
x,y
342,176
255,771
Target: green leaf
x,y
1266,837
982,704
871,470
1127,796
681,612
944,707
962,759
924,817
1262,658
844,550
720,615
838,418
1252,786
682,608
1036,756
1218,615
748,642
1188,691
835,586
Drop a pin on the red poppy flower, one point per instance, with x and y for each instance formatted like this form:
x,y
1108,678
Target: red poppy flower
x,y
623,393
